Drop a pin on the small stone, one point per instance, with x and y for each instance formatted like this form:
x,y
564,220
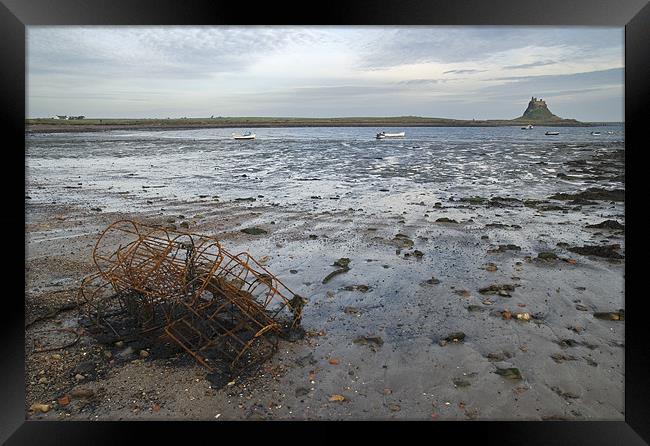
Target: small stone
x,y
491,267
119,344
395,407
509,372
254,231
63,401
301,391
607,251
126,352
343,262
334,273
37,407
498,356
79,377
458,336
473,307
43,380
501,290
361,288
610,315
351,310
85,367
82,393
144,353
607,224
364,340
561,357
547,255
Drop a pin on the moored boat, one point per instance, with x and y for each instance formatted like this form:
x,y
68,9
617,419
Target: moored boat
x,y
382,135
528,127
552,133
247,135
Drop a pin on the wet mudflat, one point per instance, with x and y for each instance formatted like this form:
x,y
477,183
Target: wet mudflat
x,y
457,276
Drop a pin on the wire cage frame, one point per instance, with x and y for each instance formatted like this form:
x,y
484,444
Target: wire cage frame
x,y
219,307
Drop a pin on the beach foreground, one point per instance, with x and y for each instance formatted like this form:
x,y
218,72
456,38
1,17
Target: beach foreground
x,y
463,300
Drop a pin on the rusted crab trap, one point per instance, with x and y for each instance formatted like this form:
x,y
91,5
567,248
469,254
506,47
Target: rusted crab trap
x,y
184,287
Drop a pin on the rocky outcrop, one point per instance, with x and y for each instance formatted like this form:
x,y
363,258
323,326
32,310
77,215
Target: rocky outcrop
x,y
538,112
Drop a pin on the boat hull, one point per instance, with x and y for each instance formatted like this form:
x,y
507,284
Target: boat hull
x,y
390,135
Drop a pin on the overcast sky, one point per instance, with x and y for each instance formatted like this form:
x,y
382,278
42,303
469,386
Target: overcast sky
x,y
454,72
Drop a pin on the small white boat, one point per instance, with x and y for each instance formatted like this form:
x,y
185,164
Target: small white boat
x,y
595,133
247,135
552,133
528,127
382,135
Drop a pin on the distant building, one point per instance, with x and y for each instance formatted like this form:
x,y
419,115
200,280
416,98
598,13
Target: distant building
x,y
60,117
76,117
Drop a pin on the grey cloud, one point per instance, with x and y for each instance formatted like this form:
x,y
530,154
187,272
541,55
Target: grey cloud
x,y
516,90
399,45
174,52
423,81
326,93
613,75
541,63
107,69
468,71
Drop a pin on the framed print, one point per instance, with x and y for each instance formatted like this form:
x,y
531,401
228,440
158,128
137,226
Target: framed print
x,y
389,212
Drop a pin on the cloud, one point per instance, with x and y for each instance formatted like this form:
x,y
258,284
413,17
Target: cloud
x,y
175,52
604,84
315,70
541,63
613,75
467,71
423,81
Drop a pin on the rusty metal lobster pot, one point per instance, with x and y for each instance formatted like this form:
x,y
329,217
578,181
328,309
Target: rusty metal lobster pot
x,y
210,302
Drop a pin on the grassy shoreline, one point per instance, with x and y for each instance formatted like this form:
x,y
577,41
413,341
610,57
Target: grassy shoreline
x,y
91,125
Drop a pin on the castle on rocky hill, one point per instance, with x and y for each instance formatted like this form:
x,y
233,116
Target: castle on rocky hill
x,y
537,110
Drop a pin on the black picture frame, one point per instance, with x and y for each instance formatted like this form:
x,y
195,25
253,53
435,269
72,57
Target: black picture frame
x,y
15,15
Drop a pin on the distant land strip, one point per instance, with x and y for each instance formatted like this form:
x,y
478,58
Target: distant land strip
x,y
92,125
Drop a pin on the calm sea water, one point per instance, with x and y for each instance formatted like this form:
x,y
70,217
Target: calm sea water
x,y
120,170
